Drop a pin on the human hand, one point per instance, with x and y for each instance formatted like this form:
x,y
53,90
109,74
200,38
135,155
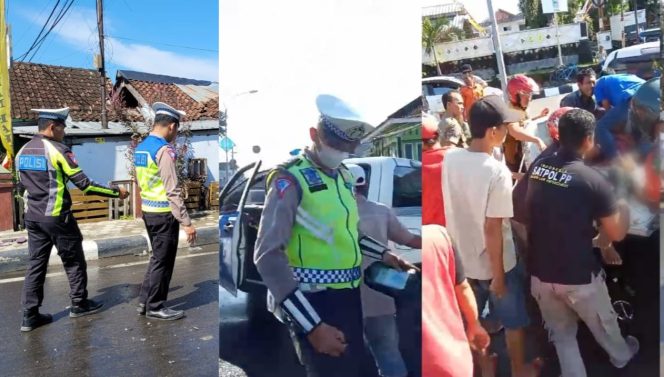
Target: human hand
x,y
540,144
124,194
498,287
611,256
190,231
544,112
478,338
394,261
327,340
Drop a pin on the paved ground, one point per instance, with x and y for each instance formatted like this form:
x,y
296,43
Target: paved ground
x,y
116,341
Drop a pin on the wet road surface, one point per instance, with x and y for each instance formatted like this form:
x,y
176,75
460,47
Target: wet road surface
x,y
252,342
117,341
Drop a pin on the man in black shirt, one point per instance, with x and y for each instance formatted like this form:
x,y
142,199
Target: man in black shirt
x,y
583,98
564,199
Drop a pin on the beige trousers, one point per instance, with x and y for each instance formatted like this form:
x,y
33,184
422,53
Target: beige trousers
x,y
563,305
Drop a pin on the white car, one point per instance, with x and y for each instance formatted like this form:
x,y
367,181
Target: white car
x,y
638,59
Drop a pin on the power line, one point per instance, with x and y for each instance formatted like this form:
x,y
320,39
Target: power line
x,y
61,15
160,43
40,31
39,40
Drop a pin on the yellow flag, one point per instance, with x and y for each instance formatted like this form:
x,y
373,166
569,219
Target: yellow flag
x,y
5,106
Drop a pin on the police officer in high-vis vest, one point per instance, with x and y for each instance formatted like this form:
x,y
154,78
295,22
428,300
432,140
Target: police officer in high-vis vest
x,y
163,210
45,166
309,251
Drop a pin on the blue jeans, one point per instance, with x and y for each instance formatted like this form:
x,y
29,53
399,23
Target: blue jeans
x,y
383,337
510,310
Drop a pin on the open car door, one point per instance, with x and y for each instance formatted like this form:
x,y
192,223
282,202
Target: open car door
x,y
231,253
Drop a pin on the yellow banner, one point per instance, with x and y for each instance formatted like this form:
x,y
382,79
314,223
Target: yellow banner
x,y
5,106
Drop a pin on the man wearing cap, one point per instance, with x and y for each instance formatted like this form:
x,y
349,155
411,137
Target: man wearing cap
x,y
163,210
472,91
45,166
478,206
309,250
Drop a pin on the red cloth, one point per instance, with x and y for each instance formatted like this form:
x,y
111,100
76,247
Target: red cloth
x,y
433,209
445,349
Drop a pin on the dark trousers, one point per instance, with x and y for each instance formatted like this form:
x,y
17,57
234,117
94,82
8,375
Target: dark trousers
x,y
68,240
342,309
163,231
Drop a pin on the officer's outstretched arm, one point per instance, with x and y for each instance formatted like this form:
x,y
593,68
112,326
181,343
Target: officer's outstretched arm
x,y
70,167
166,161
281,203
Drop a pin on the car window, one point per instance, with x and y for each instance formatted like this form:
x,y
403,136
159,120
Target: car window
x,y
407,187
256,195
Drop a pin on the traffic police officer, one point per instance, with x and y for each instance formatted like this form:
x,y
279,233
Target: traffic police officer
x,y
45,166
309,250
163,210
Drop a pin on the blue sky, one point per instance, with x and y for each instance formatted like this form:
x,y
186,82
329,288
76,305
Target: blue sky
x,y
156,29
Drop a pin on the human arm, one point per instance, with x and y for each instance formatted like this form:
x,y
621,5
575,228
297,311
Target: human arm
x,y
499,208
166,162
397,232
518,131
612,215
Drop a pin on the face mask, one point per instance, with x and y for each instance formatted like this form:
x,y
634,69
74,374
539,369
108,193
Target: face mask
x,y
330,157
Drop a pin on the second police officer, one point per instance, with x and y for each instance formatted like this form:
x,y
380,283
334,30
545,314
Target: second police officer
x,y
308,249
163,210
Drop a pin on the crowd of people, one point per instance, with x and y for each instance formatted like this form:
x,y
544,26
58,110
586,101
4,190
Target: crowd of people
x,y
500,233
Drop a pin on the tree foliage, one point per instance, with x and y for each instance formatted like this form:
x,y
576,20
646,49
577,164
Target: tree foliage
x,y
432,33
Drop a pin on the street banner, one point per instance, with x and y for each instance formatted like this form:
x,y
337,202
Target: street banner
x,y
5,106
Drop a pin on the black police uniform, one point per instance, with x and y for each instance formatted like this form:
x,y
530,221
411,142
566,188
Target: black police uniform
x,y
45,166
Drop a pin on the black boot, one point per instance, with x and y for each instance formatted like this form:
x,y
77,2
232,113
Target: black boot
x,y
33,319
140,309
85,307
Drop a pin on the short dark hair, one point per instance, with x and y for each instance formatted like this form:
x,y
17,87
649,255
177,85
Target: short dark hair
x,y
164,120
588,72
447,97
574,127
43,123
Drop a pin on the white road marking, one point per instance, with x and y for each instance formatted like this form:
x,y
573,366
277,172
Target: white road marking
x,y
138,263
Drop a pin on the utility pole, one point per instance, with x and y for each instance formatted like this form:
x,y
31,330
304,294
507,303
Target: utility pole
x,y
560,51
101,65
498,49
622,23
636,22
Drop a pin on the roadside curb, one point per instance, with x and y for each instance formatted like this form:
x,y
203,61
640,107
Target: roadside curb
x,y
17,259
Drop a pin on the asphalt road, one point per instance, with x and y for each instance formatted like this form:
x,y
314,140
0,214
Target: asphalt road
x,y
252,342
117,341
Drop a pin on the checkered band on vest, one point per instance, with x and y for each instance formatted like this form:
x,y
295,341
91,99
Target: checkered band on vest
x,y
155,203
335,130
310,275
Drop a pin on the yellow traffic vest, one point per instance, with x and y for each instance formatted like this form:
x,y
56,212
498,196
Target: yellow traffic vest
x,y
324,248
153,192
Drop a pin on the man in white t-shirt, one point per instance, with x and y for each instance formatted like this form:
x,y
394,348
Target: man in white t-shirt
x,y
478,206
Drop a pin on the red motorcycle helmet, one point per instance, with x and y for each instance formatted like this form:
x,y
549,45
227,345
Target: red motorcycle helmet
x,y
520,84
552,122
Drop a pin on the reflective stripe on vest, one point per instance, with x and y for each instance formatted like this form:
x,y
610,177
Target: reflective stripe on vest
x,y
153,192
323,248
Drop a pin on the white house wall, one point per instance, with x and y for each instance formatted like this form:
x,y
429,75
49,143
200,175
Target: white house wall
x,y
105,162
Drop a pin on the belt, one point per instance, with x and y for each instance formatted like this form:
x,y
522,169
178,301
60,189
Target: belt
x,y
317,276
